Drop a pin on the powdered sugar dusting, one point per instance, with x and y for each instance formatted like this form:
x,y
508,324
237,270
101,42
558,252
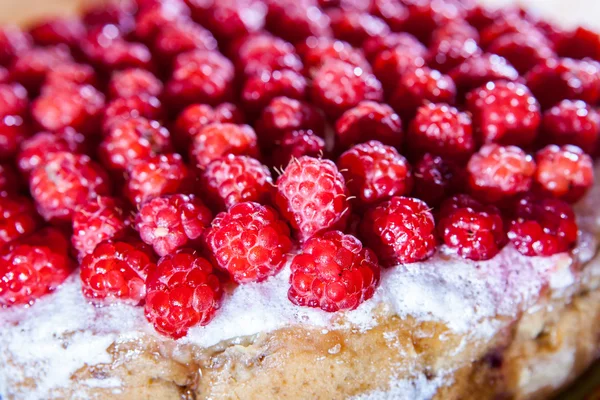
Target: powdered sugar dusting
x,y
418,388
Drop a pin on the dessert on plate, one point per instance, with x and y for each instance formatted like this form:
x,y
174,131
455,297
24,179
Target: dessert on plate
x,y
315,199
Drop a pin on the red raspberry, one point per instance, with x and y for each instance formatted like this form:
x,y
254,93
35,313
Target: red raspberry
x,y
10,181
295,144
177,38
150,20
441,130
317,51
249,241
131,140
333,272
78,107
556,80
312,196
374,46
195,117
505,25
172,221
475,231
118,13
355,27
55,31
13,100
500,172
424,17
400,230
219,139
71,74
522,50
156,176
13,41
339,86
419,86
116,271
375,172
230,19
234,179
393,12
572,122
296,21
259,90
446,54
505,113
435,179
579,43
479,70
542,226
456,29
32,65
98,220
183,292
4,75
368,120
132,82
17,218
13,130
390,65
33,266
481,16
265,53
36,149
64,182
121,108
284,114
564,172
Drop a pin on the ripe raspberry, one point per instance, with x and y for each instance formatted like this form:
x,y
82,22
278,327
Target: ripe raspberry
x,y
116,271
55,31
13,41
333,272
131,140
339,86
265,53
419,86
156,176
579,43
446,54
97,220
479,70
151,19
375,172
195,117
435,179
36,149
4,75
497,172
376,45
133,82
475,231
259,90
13,100
391,65
316,52
17,218
13,130
564,172
295,144
219,139
523,50
177,38
10,182
119,13
230,19
457,29
173,221
368,120
542,226
507,24
400,230
424,17
64,182
296,21
441,130
355,27
200,76
182,292
33,266
32,65
121,108
312,196
572,122
505,113
393,12
69,75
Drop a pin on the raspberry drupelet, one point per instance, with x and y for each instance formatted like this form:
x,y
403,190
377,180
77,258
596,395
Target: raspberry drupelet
x,y
116,271
295,144
170,222
134,82
219,139
400,230
182,291
333,272
479,70
259,90
18,218
572,122
375,172
123,108
312,196
435,179
268,53
316,51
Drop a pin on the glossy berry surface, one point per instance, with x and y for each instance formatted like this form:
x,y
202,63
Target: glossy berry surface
x,y
259,90
295,144
36,149
572,122
435,179
479,70
196,116
17,218
368,121
315,52
220,139
134,82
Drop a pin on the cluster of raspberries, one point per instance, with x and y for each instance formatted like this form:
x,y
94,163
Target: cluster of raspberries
x,y
169,150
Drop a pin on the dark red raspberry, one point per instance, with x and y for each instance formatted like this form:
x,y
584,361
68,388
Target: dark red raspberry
x,y
355,27
116,271
33,266
98,220
133,82
55,31
498,173
400,230
131,140
507,24
13,100
542,226
235,179
564,172
177,38
182,292
505,113
441,130
375,172
296,21
230,19
446,54
4,75
295,144
419,86
13,41
195,117
219,139
556,80
481,16
522,50
579,43
479,70
123,108
572,122
36,149
262,53
475,231
151,19
259,90
249,241
435,179
31,66
456,29
424,17
317,51
393,12
339,86
119,13
333,272
13,130
10,181
390,65
71,74
312,196
170,222
156,176
374,46
17,218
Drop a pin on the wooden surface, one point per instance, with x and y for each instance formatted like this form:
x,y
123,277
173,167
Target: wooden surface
x,y
23,12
